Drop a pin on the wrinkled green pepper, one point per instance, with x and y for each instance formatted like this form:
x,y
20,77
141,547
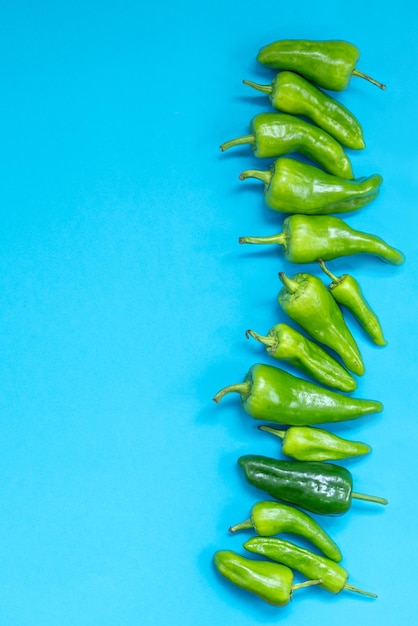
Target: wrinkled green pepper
x,y
276,134
346,290
305,443
329,64
307,301
285,343
291,186
272,582
318,487
291,93
334,577
271,518
306,238
271,394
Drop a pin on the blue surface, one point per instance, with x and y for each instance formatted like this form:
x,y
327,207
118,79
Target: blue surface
x,y
125,297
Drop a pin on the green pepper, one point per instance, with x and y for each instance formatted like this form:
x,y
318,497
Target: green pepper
x,y
307,301
271,394
306,443
291,186
286,343
271,518
272,582
330,64
306,238
276,134
318,487
347,291
291,93
334,577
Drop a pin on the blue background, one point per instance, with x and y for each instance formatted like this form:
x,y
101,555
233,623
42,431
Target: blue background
x,y
125,297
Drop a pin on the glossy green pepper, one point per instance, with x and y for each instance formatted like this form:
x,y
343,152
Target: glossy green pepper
x,y
318,487
291,93
305,443
271,518
307,301
334,577
271,394
346,290
291,186
276,134
272,582
285,343
306,238
330,64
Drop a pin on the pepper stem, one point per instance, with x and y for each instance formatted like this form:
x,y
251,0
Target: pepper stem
x,y
267,89
335,279
279,239
306,583
273,431
369,78
239,141
241,526
242,388
349,587
264,175
268,340
290,284
363,496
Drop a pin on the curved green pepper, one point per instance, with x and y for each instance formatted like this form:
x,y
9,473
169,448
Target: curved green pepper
x,y
271,394
271,518
273,582
276,134
347,291
306,300
284,342
318,487
293,94
306,443
330,64
291,186
306,238
333,576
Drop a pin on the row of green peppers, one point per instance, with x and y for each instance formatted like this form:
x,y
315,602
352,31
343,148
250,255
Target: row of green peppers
x,y
272,394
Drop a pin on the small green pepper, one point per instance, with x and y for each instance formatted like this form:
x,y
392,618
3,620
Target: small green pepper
x,y
306,238
286,343
347,291
276,134
271,518
330,64
318,487
291,93
306,443
306,300
271,394
272,582
291,186
334,577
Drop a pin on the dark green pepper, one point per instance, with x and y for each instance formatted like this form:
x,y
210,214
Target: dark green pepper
x,y
318,487
276,134
306,443
291,186
291,93
271,518
330,64
273,582
271,394
347,291
306,238
334,577
286,343
307,301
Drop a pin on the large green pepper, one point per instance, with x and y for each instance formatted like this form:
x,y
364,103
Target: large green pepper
x,y
306,238
307,301
271,394
318,487
271,518
291,93
291,186
330,64
276,134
